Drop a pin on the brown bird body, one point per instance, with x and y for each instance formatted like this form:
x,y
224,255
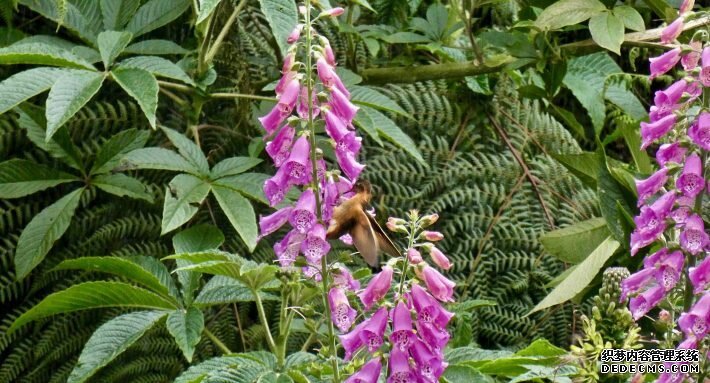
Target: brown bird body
x,y
351,218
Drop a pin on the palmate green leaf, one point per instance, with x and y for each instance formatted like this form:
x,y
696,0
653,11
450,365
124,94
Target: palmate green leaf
x,y
196,238
206,9
111,44
122,267
580,278
622,97
110,340
198,372
81,17
142,86
91,295
155,47
188,149
584,166
248,184
282,16
220,290
44,229
362,95
19,178
25,85
233,166
158,66
607,31
406,38
186,327
123,186
631,18
157,158
42,54
183,197
239,212
568,12
159,270
60,146
363,121
156,13
69,94
116,13
116,147
390,131
574,243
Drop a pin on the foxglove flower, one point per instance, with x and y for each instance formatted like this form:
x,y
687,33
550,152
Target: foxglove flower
x,y
651,185
342,314
369,333
348,163
279,148
691,181
652,131
377,288
690,60
685,6
432,235
666,100
328,77
695,322
693,238
315,246
273,119
298,163
342,277
663,63
295,34
276,187
274,221
670,153
704,76
287,249
430,365
647,300
342,106
303,216
650,224
439,286
700,275
699,131
439,258
369,373
414,256
672,31
683,211
636,282
400,369
402,332
432,335
428,309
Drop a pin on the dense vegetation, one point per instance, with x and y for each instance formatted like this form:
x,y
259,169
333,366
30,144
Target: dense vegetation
x,y
134,157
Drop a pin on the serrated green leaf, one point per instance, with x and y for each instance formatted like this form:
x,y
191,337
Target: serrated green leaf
x,y
362,95
156,13
186,327
625,99
390,131
574,243
116,147
44,229
206,9
69,94
220,290
25,85
464,374
607,31
631,18
111,44
237,362
81,17
249,184
239,212
19,178
183,197
189,150
157,158
196,238
155,47
282,16
123,186
60,146
609,192
142,86
116,13
233,166
41,54
363,121
568,12
158,66
110,340
405,38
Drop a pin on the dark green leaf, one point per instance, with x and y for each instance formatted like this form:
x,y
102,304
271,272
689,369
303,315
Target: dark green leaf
x,y
206,9
158,66
116,147
25,85
574,243
233,166
393,133
111,44
19,178
183,197
116,13
142,86
239,212
123,186
70,93
41,54
282,16
157,158
189,150
630,17
155,47
156,13
568,12
186,327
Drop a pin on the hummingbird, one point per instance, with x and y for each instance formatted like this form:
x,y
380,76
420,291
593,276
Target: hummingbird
x,y
350,217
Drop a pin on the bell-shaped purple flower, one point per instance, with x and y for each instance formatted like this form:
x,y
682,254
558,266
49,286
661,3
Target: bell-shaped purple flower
x,y
315,246
704,75
328,77
650,224
342,314
369,373
690,60
287,249
672,31
636,282
432,335
303,216
342,106
369,333
302,108
430,365
402,335
664,62
378,287
272,222
438,285
647,300
685,6
700,275
666,100
651,185
334,126
298,163
295,34
669,270
287,100
695,322
273,119
683,211
439,258
328,51
428,309
348,164
414,256
691,181
652,131
670,153
276,187
280,147
693,238
400,369
699,131
342,277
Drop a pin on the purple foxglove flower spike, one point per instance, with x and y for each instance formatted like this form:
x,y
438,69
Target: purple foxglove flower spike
x,y
669,270
334,126
302,108
402,335
691,181
288,98
270,223
684,210
663,63
377,288
670,153
695,321
699,131
652,131
287,249
428,309
700,275
672,31
303,216
279,148
438,285
315,246
400,370
666,100
369,373
635,282
298,163
369,333
414,256
276,187
430,365
439,258
693,238
647,300
343,277
690,60
705,67
342,314
651,185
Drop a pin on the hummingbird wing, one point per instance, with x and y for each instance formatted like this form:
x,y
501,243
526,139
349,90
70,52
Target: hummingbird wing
x,y
384,242
364,237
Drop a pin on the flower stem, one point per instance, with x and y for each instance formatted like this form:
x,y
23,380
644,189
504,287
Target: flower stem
x,y
264,322
412,231
217,342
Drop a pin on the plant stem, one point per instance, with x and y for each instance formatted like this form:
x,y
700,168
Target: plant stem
x,y
242,95
217,342
212,52
264,321
412,231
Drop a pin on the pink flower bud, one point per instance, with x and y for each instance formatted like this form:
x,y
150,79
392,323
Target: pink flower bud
x,y
335,12
686,6
430,219
414,256
672,31
439,258
295,34
432,235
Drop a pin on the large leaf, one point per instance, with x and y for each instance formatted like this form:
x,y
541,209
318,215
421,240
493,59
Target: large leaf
x,y
249,184
206,9
188,149
196,238
574,243
186,327
610,195
390,131
156,13
116,147
607,31
25,85
239,212
91,295
142,86
110,340
69,94
123,186
233,166
220,290
282,16
60,146
631,18
580,278
116,13
157,158
19,178
82,17
44,229
111,44
158,269
183,197
568,12
41,54
155,47
362,95
158,66
244,363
